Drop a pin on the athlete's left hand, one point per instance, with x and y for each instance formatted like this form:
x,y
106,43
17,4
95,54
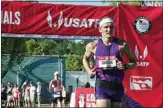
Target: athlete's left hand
x,y
120,65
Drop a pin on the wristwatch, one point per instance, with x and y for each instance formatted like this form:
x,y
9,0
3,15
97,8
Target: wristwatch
x,y
126,66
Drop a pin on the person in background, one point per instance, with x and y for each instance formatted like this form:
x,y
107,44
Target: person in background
x,y
4,94
32,94
87,85
63,96
15,93
9,95
27,96
38,91
23,93
55,87
19,98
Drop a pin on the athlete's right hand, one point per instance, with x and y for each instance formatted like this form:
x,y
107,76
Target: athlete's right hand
x,y
92,72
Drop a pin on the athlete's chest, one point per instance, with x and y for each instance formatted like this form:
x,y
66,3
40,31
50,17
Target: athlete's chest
x,y
111,50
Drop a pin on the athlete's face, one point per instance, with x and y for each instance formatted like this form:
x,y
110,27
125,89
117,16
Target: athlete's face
x,y
56,76
107,29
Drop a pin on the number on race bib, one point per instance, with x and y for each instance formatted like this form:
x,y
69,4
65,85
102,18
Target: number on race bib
x,y
107,63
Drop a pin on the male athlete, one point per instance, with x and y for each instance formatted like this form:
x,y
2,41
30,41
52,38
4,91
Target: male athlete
x,y
109,67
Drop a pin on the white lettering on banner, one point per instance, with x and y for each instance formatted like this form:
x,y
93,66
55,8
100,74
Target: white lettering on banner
x,y
143,64
141,57
91,21
90,97
17,15
9,17
66,24
90,100
84,23
77,23
72,22
140,83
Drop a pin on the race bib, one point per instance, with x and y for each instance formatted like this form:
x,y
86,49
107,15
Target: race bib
x,y
107,63
57,94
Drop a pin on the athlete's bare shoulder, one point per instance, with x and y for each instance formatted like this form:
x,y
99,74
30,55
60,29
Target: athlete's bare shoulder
x,y
91,46
53,80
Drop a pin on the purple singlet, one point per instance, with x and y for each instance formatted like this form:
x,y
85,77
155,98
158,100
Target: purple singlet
x,y
109,75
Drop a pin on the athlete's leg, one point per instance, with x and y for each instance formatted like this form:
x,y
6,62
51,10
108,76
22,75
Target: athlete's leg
x,y
103,103
116,105
58,102
38,100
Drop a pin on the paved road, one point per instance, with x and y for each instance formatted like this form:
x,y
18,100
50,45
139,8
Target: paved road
x,y
49,105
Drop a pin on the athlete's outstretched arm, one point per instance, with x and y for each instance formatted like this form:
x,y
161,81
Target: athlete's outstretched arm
x,y
132,61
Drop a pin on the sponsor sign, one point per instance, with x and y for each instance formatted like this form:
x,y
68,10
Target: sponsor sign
x,y
141,83
85,97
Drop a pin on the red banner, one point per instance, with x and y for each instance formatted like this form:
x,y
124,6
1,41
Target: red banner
x,y
50,19
142,27
84,98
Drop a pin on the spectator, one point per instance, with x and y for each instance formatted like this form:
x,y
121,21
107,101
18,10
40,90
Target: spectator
x,y
23,93
15,93
32,94
27,95
63,96
87,85
9,95
38,90
4,94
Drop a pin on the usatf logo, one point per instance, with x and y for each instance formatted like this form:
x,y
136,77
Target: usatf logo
x,y
71,22
141,57
142,25
140,83
55,25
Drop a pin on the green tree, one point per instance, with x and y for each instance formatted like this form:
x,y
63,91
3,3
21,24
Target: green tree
x,y
31,46
41,46
15,48
54,47
72,49
74,62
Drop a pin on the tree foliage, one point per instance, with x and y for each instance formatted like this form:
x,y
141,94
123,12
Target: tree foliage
x,y
72,50
115,2
74,62
15,48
